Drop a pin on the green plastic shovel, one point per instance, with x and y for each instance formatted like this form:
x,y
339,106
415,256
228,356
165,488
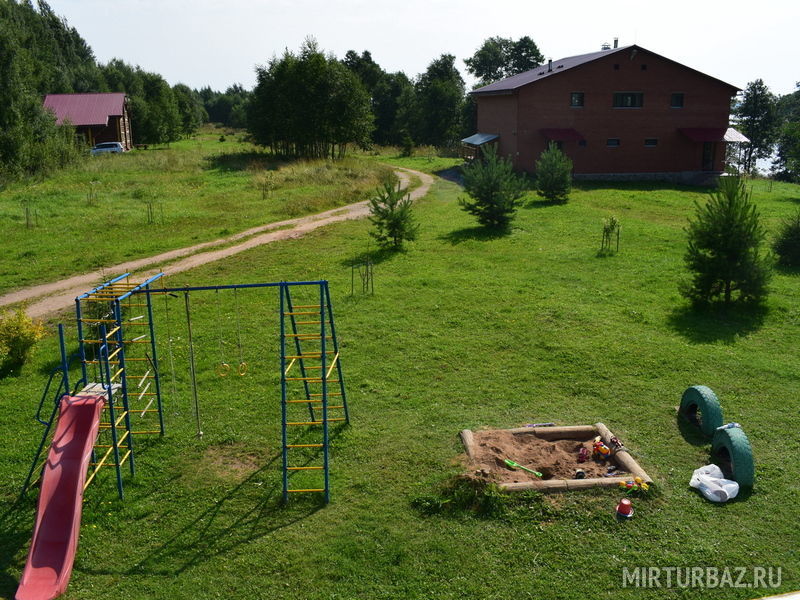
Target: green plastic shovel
x,y
514,465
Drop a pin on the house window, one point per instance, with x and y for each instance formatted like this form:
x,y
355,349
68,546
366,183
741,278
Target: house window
x,y
676,100
576,99
628,99
612,142
650,142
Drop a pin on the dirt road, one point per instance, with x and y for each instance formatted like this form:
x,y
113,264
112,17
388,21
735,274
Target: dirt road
x,y
48,298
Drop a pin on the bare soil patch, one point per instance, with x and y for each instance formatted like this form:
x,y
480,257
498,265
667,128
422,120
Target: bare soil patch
x,y
554,459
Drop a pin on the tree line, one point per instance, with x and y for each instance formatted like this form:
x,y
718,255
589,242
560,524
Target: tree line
x,y
41,54
772,123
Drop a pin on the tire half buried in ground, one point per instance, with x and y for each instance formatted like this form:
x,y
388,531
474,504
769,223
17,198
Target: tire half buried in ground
x,y
700,406
730,449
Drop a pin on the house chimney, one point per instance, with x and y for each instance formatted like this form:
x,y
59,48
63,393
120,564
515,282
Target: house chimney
x,y
616,42
549,65
605,46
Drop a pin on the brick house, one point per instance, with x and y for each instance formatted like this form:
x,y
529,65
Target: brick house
x,y
621,113
98,117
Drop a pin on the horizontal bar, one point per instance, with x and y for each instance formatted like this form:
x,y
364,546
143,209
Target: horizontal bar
x,y
146,432
306,306
311,379
329,394
142,286
311,354
311,312
308,323
309,490
304,468
305,445
202,288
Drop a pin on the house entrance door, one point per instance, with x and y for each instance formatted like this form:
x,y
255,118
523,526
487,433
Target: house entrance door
x,y
708,156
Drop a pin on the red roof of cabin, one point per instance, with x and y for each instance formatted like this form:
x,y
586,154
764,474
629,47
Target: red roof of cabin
x,y
85,109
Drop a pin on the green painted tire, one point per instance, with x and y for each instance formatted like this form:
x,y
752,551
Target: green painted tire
x,y
700,398
731,450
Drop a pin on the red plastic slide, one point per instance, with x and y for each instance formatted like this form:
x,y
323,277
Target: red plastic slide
x,y
58,517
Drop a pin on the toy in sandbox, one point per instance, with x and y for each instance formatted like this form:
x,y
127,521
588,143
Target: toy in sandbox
x,y
551,458
118,397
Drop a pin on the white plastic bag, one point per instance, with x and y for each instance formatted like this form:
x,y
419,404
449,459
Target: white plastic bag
x,y
712,484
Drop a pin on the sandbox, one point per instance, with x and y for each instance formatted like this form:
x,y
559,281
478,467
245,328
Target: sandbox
x,y
553,451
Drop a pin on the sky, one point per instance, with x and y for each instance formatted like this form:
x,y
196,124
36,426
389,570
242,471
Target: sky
x,y
220,42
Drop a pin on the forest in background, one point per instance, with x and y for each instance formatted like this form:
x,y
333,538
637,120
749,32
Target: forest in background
x,y
322,103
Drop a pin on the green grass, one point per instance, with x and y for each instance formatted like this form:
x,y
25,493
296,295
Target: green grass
x,y
115,208
466,330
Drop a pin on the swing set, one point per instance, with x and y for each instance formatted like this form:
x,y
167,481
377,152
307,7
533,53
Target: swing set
x,y
119,365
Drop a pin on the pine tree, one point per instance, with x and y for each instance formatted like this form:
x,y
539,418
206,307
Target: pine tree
x,y
391,214
724,248
494,190
554,174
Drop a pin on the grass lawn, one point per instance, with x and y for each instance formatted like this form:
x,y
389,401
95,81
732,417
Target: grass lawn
x,y
465,330
114,208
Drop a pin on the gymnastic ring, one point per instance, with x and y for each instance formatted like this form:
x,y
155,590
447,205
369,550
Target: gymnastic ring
x,y
242,368
223,369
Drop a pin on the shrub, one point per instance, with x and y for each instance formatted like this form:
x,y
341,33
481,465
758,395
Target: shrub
x,y
724,244
391,214
787,244
494,190
18,334
554,174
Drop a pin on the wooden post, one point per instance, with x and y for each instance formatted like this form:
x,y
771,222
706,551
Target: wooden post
x,y
469,443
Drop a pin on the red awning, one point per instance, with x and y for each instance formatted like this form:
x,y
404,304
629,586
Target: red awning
x,y
562,135
704,134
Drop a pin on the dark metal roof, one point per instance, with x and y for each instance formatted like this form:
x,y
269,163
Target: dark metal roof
x,y
513,83
85,109
478,139
562,135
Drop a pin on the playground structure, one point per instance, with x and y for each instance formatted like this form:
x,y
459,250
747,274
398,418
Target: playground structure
x,y
92,421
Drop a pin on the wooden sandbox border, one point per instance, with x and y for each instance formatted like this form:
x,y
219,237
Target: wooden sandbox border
x,y
622,457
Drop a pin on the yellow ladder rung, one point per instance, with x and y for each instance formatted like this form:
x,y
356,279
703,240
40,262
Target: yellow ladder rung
x,y
304,468
117,374
311,379
305,445
314,422
308,490
112,332
302,401
316,354
329,394
302,312
305,306
308,323
114,353
145,432
124,458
